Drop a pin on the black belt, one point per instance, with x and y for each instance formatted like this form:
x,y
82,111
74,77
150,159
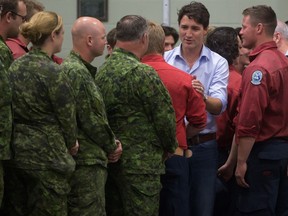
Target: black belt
x,y
201,138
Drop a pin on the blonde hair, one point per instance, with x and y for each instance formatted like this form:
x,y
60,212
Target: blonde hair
x,y
40,27
156,38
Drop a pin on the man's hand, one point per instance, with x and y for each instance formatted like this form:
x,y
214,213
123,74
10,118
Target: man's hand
x,y
225,171
73,151
240,172
115,156
198,86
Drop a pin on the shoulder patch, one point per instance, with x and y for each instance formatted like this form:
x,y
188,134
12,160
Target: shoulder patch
x,y
256,77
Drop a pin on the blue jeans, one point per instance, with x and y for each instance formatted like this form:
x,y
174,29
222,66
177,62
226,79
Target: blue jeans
x,y
203,172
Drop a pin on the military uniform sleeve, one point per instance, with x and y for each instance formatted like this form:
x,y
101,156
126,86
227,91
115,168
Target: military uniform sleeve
x,y
91,114
158,106
5,114
63,102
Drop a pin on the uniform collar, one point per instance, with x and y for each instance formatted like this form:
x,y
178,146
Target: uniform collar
x,y
90,67
120,50
264,46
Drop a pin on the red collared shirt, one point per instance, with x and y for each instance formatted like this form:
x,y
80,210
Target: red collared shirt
x,y
186,101
225,125
17,47
263,103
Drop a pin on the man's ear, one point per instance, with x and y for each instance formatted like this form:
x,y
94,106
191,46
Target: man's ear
x,y
8,17
277,37
259,28
144,38
89,40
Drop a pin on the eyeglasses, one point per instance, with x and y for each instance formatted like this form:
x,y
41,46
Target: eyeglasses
x,y
23,17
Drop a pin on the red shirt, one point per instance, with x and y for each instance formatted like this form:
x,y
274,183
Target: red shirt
x,y
17,47
225,125
57,59
263,103
186,101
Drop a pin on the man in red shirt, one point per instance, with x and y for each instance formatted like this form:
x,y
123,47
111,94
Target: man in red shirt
x,y
262,122
19,45
187,103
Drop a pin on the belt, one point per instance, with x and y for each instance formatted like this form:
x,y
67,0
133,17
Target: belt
x,y
201,138
181,152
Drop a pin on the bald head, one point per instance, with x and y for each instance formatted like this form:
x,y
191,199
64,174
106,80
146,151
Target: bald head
x,y
85,25
88,35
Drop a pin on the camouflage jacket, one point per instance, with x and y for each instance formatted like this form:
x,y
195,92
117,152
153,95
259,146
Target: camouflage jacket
x,y
139,111
95,136
6,59
44,114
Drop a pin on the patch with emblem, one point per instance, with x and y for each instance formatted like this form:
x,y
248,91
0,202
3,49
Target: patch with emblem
x,y
256,77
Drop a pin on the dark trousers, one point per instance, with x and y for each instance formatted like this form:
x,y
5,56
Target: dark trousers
x,y
267,177
226,192
174,195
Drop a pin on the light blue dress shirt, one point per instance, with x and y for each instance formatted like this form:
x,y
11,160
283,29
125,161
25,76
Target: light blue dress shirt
x,y
211,70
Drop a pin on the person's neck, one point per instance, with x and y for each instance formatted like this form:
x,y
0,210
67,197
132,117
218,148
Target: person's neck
x,y
191,54
131,46
261,40
3,34
23,39
85,54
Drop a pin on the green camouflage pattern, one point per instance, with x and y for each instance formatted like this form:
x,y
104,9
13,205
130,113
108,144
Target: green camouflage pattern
x,y
6,56
44,114
87,196
6,59
95,136
35,193
139,111
132,194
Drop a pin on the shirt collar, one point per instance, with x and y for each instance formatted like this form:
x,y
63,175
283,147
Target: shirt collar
x,y
152,58
264,46
205,52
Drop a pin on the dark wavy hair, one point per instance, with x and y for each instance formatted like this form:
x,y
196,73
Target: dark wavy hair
x,y
168,30
197,11
224,41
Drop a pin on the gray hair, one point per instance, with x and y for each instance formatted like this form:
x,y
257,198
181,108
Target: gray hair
x,y
282,28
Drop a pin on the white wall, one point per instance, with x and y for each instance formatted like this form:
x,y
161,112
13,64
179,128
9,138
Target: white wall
x,y
222,12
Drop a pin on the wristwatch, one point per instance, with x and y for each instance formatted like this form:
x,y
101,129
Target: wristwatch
x,y
205,97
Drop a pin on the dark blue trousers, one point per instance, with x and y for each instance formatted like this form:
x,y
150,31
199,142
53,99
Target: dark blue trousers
x,y
174,195
267,176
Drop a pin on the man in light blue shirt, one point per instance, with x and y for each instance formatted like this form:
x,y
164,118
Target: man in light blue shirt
x,y
211,72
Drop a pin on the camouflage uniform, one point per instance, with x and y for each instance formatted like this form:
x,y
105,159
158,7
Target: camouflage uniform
x,y
45,126
141,115
6,59
96,140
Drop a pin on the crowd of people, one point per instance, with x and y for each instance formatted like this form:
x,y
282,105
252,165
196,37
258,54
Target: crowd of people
x,y
199,128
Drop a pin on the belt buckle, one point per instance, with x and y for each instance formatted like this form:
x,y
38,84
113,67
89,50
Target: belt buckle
x,y
197,139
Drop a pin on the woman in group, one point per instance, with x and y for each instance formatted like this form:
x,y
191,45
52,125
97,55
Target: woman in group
x,y
44,133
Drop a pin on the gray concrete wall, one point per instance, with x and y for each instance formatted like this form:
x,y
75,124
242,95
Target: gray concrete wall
x,y
222,12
